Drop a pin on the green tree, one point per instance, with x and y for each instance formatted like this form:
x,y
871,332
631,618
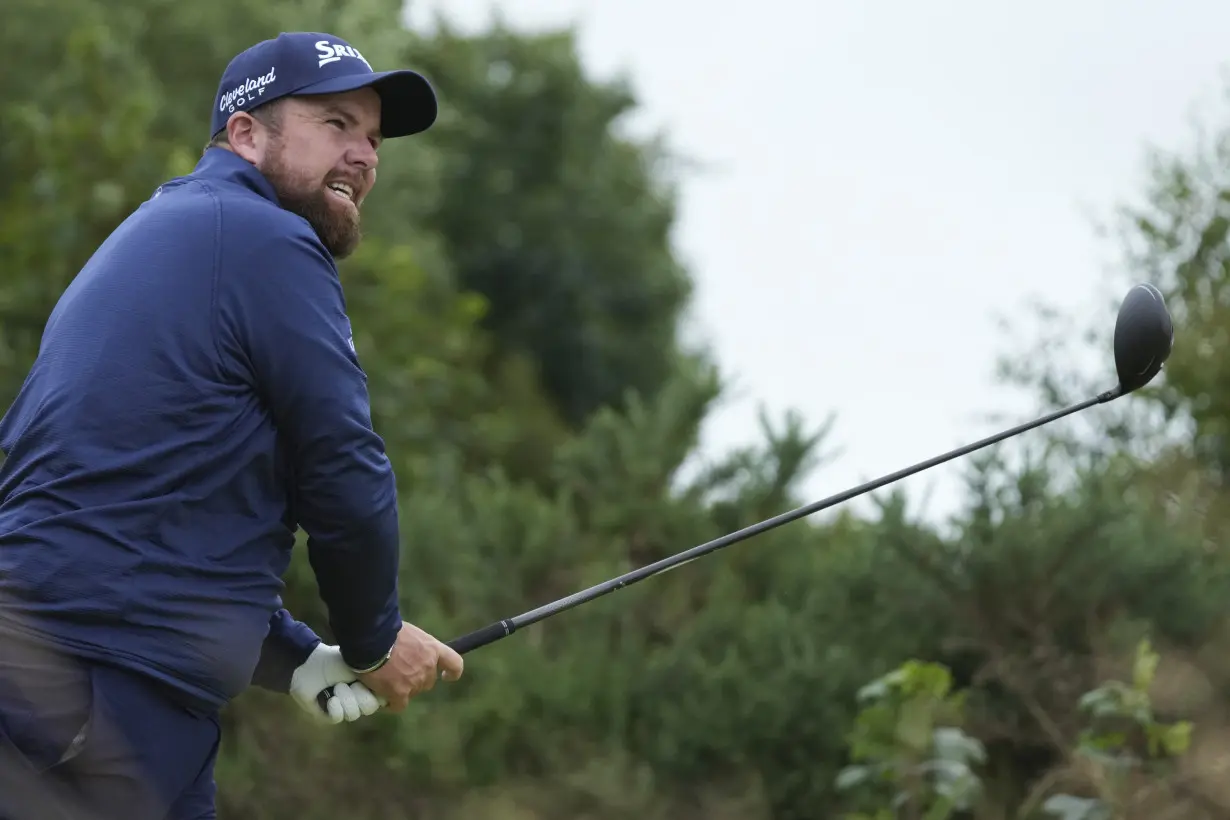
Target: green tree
x,y
562,222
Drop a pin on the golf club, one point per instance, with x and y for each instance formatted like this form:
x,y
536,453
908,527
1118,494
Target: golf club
x,y
1143,338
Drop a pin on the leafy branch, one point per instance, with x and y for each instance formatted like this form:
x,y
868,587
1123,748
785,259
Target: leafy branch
x,y
912,760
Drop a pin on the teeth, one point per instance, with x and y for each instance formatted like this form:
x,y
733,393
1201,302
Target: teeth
x,y
343,189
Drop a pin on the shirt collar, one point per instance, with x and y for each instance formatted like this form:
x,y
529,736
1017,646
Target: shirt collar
x,y
225,165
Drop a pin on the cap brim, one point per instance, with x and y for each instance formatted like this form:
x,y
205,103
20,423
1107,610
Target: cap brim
x,y
407,101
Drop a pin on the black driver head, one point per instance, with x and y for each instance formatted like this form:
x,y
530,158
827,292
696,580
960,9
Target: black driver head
x,y
1144,336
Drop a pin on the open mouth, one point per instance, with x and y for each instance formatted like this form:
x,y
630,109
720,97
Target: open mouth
x,y
342,191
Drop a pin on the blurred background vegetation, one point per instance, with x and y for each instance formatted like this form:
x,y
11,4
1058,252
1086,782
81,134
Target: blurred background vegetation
x,y
1062,650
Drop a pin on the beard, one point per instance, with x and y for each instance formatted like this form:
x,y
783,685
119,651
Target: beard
x,y
339,230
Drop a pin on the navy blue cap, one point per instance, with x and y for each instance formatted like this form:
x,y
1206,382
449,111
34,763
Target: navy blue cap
x,y
305,62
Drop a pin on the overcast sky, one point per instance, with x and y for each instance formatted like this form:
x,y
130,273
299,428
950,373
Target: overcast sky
x,y
886,178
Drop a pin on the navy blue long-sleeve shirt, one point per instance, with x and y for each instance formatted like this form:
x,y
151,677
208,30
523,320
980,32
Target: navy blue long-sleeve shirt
x,y
195,399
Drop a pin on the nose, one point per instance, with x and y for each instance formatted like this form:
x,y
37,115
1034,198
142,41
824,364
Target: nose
x,y
363,155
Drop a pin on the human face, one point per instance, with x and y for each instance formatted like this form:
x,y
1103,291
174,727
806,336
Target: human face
x,y
320,156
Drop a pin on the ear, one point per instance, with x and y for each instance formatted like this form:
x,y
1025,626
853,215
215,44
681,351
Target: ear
x,y
246,136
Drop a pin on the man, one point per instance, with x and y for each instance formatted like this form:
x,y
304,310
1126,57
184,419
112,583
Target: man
x,y
196,398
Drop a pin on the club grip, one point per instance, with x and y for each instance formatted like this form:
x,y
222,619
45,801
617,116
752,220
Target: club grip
x,y
466,643
481,637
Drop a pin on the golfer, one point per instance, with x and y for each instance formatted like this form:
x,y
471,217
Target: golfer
x,y
195,400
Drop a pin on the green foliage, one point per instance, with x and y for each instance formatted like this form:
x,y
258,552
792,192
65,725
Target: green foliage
x,y
1117,707
68,180
912,759
559,220
909,750
1120,716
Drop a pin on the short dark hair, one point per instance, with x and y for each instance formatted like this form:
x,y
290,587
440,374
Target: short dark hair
x,y
268,114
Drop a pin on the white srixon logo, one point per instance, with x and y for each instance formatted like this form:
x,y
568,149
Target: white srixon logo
x,y
332,52
246,92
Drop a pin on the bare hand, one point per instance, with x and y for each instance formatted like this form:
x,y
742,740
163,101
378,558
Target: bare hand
x,y
417,660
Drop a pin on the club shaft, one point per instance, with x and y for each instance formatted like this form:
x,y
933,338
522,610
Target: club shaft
x,y
500,629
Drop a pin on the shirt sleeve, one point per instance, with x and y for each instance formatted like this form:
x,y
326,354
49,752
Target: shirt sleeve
x,y
283,327
285,649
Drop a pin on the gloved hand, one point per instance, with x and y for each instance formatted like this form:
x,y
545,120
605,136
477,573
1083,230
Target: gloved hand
x,y
325,668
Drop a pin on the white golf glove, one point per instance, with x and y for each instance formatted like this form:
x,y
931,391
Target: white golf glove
x,y
325,668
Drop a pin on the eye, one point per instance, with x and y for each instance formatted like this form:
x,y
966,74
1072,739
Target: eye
x,y
338,123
